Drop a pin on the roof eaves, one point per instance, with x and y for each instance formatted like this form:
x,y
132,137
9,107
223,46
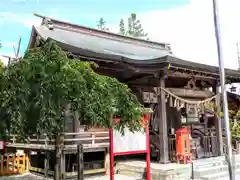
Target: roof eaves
x,y
32,38
190,65
71,26
230,73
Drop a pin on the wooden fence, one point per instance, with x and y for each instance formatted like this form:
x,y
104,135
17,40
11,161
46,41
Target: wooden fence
x,y
11,164
91,141
66,147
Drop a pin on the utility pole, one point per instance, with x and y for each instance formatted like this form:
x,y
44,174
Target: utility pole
x,y
223,88
16,51
238,55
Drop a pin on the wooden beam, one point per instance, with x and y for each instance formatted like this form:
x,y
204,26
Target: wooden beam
x,y
146,82
191,93
112,66
193,71
111,72
151,97
187,75
136,77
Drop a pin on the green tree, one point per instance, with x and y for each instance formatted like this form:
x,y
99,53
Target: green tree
x,y
101,25
234,119
122,29
36,90
3,117
134,28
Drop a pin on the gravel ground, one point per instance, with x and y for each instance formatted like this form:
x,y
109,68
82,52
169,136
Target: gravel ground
x,y
29,176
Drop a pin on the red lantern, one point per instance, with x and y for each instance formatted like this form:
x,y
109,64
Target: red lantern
x,y
183,145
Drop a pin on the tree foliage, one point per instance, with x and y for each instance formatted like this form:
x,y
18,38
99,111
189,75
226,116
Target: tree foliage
x,y
122,29
101,25
235,129
134,27
36,91
234,116
234,119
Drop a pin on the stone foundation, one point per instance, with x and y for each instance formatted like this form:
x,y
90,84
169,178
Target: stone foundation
x,y
171,171
205,169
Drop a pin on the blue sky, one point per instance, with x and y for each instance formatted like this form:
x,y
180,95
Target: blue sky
x,y
16,15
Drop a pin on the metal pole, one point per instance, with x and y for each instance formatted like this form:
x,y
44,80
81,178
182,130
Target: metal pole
x,y
223,88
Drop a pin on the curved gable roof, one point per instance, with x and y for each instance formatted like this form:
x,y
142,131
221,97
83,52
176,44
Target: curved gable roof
x,y
92,43
89,44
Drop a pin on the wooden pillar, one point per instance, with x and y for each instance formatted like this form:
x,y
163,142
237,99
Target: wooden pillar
x,y
218,122
57,158
28,160
58,170
162,125
80,162
46,164
63,165
107,162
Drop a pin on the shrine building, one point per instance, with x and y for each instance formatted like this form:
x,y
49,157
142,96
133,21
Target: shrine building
x,y
178,91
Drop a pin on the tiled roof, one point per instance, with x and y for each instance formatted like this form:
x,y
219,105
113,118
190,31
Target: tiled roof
x,y
88,42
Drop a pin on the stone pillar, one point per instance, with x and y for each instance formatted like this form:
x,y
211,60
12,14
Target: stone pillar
x,y
162,125
218,122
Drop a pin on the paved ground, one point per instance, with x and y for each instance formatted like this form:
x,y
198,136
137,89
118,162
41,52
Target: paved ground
x,y
34,177
237,177
27,176
117,177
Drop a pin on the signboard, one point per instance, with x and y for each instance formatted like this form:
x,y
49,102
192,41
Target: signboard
x,y
1,145
129,141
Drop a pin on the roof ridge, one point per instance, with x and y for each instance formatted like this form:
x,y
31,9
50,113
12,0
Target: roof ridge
x,y
109,38
71,25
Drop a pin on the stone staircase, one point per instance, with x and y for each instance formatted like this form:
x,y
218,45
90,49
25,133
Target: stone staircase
x,y
170,171
215,168
203,169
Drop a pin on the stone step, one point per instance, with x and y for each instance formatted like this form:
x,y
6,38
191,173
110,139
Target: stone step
x,y
158,171
214,161
219,175
208,165
134,171
211,170
208,161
